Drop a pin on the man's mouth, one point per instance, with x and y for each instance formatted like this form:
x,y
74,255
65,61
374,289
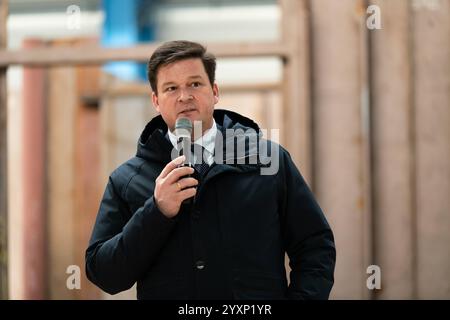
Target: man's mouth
x,y
184,112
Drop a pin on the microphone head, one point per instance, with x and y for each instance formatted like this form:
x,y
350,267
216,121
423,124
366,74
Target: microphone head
x,y
183,127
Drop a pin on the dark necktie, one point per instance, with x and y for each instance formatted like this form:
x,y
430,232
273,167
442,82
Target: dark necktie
x,y
201,166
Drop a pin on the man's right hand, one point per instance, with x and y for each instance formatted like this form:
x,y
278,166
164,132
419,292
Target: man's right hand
x,y
170,190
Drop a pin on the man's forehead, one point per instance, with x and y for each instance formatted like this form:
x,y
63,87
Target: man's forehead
x,y
179,71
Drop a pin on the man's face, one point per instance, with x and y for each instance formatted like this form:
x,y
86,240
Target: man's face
x,y
184,90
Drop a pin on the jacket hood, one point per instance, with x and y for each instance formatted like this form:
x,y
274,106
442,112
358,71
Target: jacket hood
x,y
153,145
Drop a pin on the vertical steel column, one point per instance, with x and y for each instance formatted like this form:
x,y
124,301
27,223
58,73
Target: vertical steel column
x,y
34,186
3,160
341,163
296,84
431,47
392,149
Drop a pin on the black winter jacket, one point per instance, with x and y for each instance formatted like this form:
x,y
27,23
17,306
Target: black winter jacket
x,y
229,244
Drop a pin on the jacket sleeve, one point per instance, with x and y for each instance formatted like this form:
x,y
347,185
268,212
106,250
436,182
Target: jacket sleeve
x,y
124,244
307,236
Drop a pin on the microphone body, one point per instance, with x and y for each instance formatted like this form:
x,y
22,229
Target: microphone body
x,y
183,131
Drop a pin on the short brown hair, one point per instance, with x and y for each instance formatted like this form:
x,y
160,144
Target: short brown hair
x,y
173,51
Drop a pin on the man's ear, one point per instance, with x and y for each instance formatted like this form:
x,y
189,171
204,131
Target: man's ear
x,y
216,93
155,101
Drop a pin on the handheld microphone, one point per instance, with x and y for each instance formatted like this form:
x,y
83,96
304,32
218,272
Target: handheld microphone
x,y
183,131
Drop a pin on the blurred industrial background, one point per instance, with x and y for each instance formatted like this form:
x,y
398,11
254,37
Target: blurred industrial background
x,y
363,108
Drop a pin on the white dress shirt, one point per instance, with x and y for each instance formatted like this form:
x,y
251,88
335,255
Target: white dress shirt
x,y
207,141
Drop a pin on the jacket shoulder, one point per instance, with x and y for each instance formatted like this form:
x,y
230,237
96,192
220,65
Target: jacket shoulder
x,y
123,174
273,150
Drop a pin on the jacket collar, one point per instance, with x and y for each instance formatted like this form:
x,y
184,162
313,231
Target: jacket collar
x,y
153,145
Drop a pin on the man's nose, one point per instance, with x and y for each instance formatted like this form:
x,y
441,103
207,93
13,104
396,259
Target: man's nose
x,y
185,95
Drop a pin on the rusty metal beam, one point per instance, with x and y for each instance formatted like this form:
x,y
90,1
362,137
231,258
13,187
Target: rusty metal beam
x,y
3,161
94,54
296,84
431,61
33,184
392,148
340,137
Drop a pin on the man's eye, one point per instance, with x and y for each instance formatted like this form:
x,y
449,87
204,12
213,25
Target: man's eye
x,y
169,89
195,84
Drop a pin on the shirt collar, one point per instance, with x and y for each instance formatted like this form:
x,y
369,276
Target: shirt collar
x,y
207,141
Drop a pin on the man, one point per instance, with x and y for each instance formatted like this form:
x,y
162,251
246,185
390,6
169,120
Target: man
x,y
230,241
